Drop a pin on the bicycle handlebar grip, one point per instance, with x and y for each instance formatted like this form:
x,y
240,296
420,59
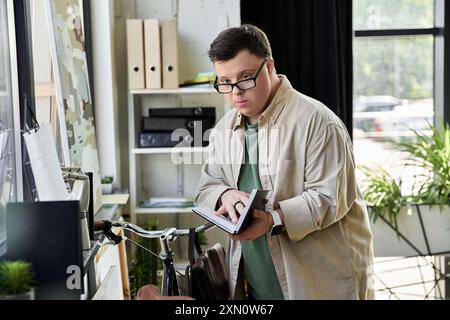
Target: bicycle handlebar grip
x,y
105,226
99,225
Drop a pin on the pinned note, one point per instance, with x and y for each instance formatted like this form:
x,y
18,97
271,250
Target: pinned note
x,y
45,165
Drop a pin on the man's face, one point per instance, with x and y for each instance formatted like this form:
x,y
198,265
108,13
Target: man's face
x,y
250,102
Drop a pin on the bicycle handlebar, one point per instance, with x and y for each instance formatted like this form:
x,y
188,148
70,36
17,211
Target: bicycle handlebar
x,y
169,286
168,233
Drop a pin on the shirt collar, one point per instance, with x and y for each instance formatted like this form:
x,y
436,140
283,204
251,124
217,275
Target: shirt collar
x,y
275,107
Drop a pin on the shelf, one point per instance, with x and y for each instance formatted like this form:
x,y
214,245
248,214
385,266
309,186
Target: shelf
x,y
115,198
162,210
174,91
168,150
108,212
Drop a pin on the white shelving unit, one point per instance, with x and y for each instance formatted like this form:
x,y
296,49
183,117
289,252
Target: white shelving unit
x,y
168,150
174,91
158,156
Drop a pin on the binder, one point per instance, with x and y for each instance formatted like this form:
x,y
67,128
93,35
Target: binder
x,y
152,43
169,42
135,50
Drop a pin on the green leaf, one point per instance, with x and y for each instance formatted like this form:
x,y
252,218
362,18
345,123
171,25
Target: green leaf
x,y
432,154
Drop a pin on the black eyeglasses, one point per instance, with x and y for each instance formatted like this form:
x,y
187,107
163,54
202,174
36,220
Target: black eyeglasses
x,y
244,84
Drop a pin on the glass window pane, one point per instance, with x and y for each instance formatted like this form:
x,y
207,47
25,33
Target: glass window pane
x,y
401,66
7,160
45,100
393,14
393,91
393,87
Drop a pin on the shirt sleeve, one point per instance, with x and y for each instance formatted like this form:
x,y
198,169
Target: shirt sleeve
x,y
212,182
330,184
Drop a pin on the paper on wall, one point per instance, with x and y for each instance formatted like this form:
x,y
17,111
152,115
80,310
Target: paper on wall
x,y
45,165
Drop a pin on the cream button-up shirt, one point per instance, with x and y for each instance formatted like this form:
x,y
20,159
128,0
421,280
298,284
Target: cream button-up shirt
x,y
306,162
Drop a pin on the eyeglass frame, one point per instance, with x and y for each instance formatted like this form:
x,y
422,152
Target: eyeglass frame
x,y
217,85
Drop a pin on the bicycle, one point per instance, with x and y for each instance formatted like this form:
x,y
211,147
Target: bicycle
x,y
169,280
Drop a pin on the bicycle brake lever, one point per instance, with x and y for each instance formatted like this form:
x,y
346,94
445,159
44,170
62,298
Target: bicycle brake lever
x,y
109,234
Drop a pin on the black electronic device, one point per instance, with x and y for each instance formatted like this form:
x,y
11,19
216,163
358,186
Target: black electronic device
x,y
177,127
179,138
151,124
195,112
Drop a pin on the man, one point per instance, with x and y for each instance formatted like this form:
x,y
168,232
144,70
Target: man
x,y
314,241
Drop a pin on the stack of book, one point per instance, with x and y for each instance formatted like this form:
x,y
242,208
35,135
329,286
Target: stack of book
x,y
167,203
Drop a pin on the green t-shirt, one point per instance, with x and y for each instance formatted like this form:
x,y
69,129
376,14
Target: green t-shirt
x,y
258,265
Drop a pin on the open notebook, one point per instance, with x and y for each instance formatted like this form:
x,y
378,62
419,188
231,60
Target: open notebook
x,y
255,201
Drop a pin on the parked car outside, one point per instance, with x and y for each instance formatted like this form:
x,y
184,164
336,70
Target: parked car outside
x,y
390,117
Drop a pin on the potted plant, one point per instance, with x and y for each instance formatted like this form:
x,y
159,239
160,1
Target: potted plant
x,y
416,221
17,280
107,184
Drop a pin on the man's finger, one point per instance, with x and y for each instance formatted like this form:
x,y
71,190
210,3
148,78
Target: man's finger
x,y
232,214
244,199
239,207
222,211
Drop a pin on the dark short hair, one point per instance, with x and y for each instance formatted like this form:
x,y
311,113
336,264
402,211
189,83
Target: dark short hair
x,y
233,40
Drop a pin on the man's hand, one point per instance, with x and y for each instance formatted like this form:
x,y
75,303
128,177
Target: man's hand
x,y
232,201
152,292
261,224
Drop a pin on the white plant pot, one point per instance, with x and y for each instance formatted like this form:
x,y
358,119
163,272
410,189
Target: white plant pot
x,y
436,224
22,296
107,188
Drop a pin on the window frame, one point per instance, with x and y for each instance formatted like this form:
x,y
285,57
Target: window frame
x,y
441,81
14,88
26,94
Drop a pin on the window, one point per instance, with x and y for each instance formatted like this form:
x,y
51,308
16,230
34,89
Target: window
x,y
393,81
44,85
9,175
397,85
